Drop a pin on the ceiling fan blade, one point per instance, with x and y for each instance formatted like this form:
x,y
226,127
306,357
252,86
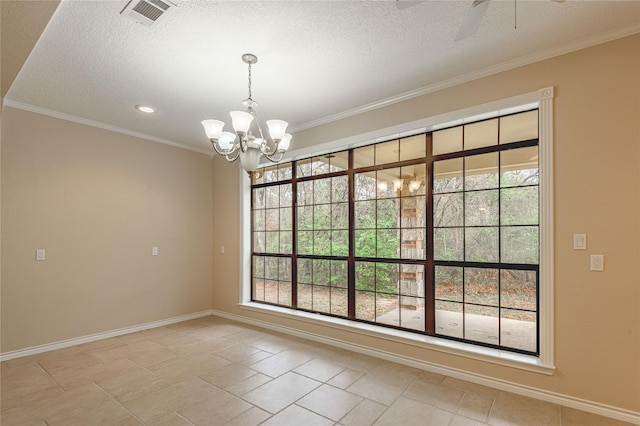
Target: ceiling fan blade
x,y
403,4
473,19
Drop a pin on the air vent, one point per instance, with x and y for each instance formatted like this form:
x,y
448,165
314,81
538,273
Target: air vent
x,y
146,11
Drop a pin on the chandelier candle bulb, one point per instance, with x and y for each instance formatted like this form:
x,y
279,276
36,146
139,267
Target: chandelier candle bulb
x,y
244,144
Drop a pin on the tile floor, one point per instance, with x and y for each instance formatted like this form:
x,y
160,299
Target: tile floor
x,y
212,371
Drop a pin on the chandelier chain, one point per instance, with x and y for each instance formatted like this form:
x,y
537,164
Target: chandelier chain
x,y
250,81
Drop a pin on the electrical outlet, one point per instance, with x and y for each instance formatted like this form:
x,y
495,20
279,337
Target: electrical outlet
x,y
596,262
40,254
154,251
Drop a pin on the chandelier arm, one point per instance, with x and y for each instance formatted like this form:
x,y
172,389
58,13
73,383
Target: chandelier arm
x,y
222,152
231,160
266,152
273,159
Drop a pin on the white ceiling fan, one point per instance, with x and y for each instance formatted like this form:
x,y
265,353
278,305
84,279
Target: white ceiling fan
x,y
471,21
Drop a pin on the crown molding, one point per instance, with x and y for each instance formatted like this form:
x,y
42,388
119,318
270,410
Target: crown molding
x,y
97,124
484,72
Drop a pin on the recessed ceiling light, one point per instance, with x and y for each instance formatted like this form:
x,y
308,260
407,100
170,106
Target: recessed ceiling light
x,y
146,109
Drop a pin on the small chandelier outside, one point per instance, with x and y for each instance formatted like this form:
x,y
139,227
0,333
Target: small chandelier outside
x,y
243,143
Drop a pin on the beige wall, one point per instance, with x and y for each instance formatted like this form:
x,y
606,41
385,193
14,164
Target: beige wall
x,y
98,201
597,188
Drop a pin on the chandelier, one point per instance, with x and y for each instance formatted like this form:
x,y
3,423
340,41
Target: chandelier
x,y
244,144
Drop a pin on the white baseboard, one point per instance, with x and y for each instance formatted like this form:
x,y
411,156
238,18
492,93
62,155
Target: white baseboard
x,y
99,336
504,385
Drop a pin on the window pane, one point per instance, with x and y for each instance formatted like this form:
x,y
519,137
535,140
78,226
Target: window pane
x,y
258,289
321,299
412,313
284,171
365,243
481,244
339,161
449,283
413,243
339,273
271,265
269,174
365,305
365,214
339,189
340,216
322,243
481,208
387,275
366,276
365,186
305,193
305,242
339,305
272,242
363,157
411,281
272,196
285,218
481,171
305,218
413,212
321,272
286,196
258,220
305,271
340,243
388,243
481,324
448,243
286,242
449,320
519,127
447,209
518,329
272,219
322,191
483,133
259,242
447,175
520,244
387,213
481,286
387,309
305,296
414,178
258,198
413,147
303,168
519,206
388,152
447,140
389,183
320,165
519,167
322,216
518,289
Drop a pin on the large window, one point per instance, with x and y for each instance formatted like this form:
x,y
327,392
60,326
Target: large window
x,y
436,233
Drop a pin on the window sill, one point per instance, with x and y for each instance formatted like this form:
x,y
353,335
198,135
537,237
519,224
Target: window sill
x,y
479,353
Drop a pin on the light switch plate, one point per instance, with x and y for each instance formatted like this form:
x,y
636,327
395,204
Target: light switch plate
x,y
579,241
154,251
40,254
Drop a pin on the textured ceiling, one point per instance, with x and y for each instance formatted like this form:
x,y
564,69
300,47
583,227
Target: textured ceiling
x,y
318,60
